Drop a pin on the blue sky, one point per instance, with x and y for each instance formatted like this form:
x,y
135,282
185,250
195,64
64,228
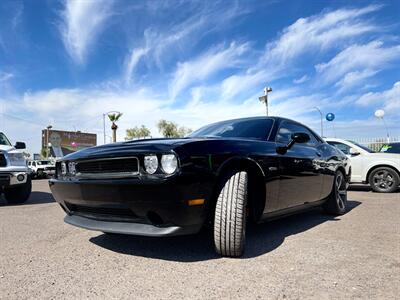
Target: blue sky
x,y
194,62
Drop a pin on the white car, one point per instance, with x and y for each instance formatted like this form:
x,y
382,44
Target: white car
x,y
380,170
15,179
42,168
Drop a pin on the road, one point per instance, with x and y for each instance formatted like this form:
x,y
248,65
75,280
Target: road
x,y
305,256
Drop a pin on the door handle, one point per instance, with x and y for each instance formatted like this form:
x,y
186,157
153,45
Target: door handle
x,y
318,153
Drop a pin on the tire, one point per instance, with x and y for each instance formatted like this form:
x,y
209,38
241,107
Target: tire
x,y
384,180
336,203
230,216
18,194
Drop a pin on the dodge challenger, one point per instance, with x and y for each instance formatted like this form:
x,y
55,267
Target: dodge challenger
x,y
223,175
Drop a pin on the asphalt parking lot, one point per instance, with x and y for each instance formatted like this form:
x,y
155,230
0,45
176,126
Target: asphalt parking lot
x,y
305,256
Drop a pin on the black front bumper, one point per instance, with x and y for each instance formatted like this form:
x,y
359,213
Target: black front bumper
x,y
133,206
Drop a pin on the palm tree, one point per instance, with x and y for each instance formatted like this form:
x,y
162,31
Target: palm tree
x,y
114,118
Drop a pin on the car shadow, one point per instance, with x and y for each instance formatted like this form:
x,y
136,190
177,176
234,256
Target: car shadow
x,y
35,198
359,188
260,239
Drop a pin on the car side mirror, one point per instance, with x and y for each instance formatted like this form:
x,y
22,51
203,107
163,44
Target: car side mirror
x,y
20,145
297,137
300,137
354,152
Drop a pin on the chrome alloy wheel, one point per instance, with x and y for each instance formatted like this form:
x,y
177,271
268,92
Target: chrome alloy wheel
x,y
341,191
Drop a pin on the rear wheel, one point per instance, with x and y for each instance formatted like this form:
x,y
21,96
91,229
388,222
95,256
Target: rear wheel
x,y
336,203
230,216
384,180
19,193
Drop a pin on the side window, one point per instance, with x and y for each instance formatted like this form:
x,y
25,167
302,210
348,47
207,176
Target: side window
x,y
288,128
342,147
34,164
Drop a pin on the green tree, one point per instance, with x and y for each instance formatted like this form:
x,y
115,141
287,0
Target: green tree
x,y
137,133
114,118
171,130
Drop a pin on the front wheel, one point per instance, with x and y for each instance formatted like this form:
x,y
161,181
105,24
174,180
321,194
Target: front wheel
x,y
19,193
384,180
230,216
336,203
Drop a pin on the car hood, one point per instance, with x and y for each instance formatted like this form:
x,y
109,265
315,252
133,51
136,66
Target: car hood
x,y
130,147
6,148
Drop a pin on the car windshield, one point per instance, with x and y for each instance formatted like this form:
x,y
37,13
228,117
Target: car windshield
x,y
43,162
4,140
363,147
243,128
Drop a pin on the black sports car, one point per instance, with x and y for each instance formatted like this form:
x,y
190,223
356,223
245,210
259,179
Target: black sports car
x,y
223,174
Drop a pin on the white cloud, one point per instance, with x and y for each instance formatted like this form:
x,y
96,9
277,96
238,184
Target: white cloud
x,y
356,63
389,100
82,21
302,79
307,35
132,61
162,44
206,65
4,76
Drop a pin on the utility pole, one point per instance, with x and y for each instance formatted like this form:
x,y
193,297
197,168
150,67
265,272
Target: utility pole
x,y
265,97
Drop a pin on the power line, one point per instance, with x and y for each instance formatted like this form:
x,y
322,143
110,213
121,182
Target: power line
x,y
21,119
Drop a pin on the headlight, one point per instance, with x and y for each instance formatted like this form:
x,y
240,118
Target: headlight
x,y
63,168
151,163
16,159
71,168
169,163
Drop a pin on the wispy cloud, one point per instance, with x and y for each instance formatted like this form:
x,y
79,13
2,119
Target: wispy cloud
x,y
310,35
161,44
356,63
4,76
132,61
82,21
209,63
302,79
388,99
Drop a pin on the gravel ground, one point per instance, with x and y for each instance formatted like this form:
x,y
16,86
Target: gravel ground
x,y
305,256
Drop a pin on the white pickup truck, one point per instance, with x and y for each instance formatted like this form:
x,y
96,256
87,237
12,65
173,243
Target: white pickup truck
x,y
41,168
15,179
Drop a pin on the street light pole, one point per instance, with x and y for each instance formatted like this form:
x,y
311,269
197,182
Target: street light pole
x,y
322,126
47,141
265,97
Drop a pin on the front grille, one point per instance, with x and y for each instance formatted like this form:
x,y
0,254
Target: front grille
x,y
4,179
103,213
113,167
3,162
50,168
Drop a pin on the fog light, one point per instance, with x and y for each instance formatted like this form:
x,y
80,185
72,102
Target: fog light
x,y
151,163
21,177
72,168
63,168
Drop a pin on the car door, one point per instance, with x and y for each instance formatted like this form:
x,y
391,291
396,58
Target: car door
x,y
301,175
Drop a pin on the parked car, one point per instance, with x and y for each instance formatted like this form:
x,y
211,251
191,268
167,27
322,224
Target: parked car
x,y
15,180
221,175
380,170
42,168
391,148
